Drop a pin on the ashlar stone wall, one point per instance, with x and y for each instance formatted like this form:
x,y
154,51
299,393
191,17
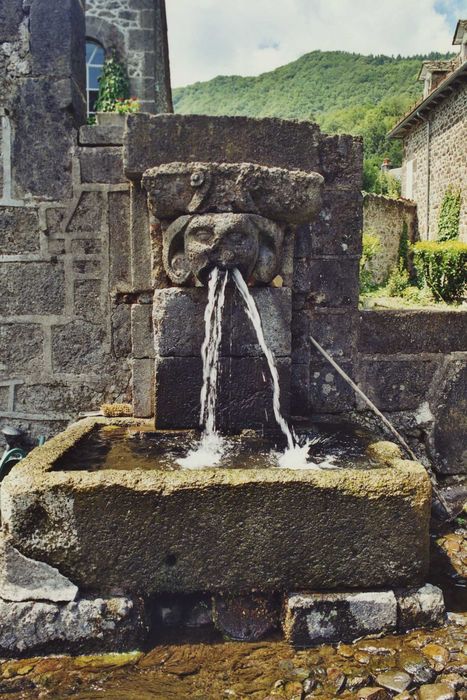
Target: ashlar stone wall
x,y
437,149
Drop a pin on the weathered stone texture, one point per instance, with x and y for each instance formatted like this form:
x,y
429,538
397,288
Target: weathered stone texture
x,y
442,141
237,532
320,618
87,216
397,385
328,282
11,14
85,626
19,230
388,219
24,579
22,348
77,348
101,135
32,288
422,607
411,331
119,240
88,301
449,406
328,391
101,165
143,388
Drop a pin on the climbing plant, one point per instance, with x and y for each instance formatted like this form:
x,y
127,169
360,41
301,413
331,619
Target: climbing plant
x,y
113,86
449,215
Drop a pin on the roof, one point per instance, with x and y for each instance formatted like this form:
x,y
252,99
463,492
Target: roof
x,y
424,106
435,67
461,29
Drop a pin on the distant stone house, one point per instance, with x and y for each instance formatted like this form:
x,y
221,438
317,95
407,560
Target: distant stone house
x,y
434,134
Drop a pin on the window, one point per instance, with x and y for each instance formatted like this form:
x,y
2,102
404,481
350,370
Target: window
x,y
95,56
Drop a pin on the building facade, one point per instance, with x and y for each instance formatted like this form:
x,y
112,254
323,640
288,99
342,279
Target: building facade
x,y
434,133
135,32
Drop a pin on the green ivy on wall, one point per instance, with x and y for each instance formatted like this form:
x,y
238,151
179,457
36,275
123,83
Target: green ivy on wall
x,y
449,215
113,85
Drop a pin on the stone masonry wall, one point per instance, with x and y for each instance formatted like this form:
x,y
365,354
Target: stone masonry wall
x,y
136,31
64,338
386,218
439,159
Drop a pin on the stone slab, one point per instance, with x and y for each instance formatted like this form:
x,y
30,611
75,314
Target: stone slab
x,y
420,607
87,625
101,164
244,392
263,529
408,331
448,402
19,230
101,135
397,385
22,578
165,138
31,288
142,336
143,387
179,322
323,618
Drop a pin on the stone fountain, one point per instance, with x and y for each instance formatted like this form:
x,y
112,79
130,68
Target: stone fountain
x,y
238,195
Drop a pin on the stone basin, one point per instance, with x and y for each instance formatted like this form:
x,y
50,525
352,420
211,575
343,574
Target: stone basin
x,y
236,530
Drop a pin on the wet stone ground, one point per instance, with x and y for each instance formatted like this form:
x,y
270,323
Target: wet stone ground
x,y
422,665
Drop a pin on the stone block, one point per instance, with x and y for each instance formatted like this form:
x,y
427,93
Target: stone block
x,y
58,397
23,579
32,288
22,347
141,39
121,330
88,214
329,282
342,160
87,266
408,331
337,230
119,240
87,625
179,322
85,246
57,37
328,391
245,618
335,332
141,273
164,138
101,135
101,164
323,618
299,390
448,401
19,230
397,385
142,336
77,347
261,529
43,139
244,392
177,391
143,388
11,14
420,607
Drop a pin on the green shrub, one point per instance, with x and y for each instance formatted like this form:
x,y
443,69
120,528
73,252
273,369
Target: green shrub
x,y
442,266
398,280
371,245
415,295
113,86
449,215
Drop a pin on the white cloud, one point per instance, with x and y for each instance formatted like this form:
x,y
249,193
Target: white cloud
x,y
247,37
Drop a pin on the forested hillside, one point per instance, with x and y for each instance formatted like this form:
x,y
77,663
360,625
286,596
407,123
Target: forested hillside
x,y
343,92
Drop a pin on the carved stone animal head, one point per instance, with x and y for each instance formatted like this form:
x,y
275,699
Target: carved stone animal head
x,y
194,245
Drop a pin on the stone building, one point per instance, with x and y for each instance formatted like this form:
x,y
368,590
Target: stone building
x,y
434,133
134,31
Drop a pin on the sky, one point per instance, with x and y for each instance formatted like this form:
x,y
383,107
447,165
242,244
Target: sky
x,y
248,37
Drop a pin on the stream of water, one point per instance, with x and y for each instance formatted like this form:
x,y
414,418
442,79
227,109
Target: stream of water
x,y
212,445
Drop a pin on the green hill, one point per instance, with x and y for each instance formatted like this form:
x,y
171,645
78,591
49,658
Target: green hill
x,y
343,92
